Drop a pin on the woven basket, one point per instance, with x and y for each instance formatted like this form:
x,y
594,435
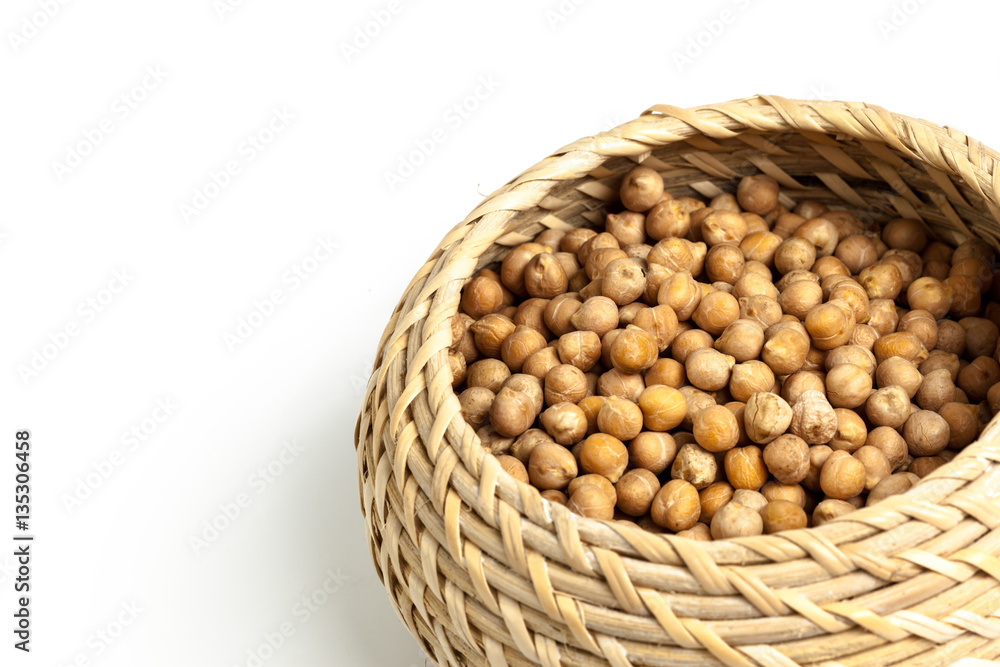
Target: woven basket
x,y
484,572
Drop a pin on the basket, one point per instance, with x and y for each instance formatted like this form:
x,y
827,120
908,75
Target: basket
x,y
483,571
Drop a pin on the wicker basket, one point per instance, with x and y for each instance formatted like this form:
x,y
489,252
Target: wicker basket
x,y
484,572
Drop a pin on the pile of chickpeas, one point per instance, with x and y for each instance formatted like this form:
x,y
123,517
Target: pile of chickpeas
x,y
728,368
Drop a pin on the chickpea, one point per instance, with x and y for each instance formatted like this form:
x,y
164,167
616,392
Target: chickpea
x,y
666,371
830,509
750,377
591,501
712,498
767,416
721,226
551,466
887,440
724,263
851,431
842,476
641,189
802,381
526,443
779,515
977,378
760,308
888,406
475,403
786,345
695,465
652,451
830,325
661,322
634,350
793,493
716,428
926,433
605,455
813,418
951,337
848,385
905,234
681,293
758,193
663,408
565,383
931,295
925,465
963,423
676,505
981,336
636,490
668,218
709,369
482,296
736,520
619,417
760,244
857,252
627,227
513,266
800,297
624,281
687,342
745,467
716,311
936,390
891,486
565,422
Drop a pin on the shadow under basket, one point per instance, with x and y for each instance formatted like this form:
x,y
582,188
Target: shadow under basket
x,y
483,571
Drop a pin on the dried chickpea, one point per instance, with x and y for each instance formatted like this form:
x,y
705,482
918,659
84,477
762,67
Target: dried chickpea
x,y
526,443
786,345
892,485
698,532
802,381
926,433
900,344
931,295
745,467
851,431
624,281
513,265
605,455
787,458
758,194
716,311
864,336
555,496
888,406
475,403
951,337
565,383
616,383
551,466
724,263
749,378
800,297
743,340
636,490
905,234
981,336
668,218
687,342
695,465
519,345
660,321
842,476
663,408
921,324
736,520
715,428
581,349
676,505
887,440
760,244
712,498
779,515
767,416
665,371
482,296
829,325
708,369
830,509
628,227
513,467
541,362
876,465
598,314
900,372
936,390
721,226
592,479
760,308
848,385
857,252
641,189
681,293
976,378
813,418
793,493
922,466
634,350
488,373
963,423
882,316
652,451
619,417
591,501
565,422
544,276
512,412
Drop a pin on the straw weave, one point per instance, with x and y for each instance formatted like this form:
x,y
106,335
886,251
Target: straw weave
x,y
484,572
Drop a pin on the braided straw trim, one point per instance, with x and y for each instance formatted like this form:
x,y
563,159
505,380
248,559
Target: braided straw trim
x,y
484,572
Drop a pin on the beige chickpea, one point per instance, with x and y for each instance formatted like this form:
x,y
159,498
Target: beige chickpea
x,y
619,417
793,493
511,413
616,383
758,193
743,340
951,337
905,234
575,238
519,345
688,342
922,466
475,403
888,406
813,418
966,299
923,325
854,294
931,295
851,354
634,350
751,283
591,501
779,515
674,254
963,423
787,458
708,369
876,465
526,443
926,433
541,362
699,532
892,485
851,431
598,314
800,297
721,226
565,383
900,372
821,233
882,316
755,500
513,265
641,189
559,311
736,520
695,465
628,227
842,476
864,336
830,509
759,245
581,349
848,385
900,344
666,371
551,466
652,451
604,454
482,296
663,408
794,254
668,217
681,293
530,386
767,416
909,264
829,266
716,311
660,321
565,422
712,498
888,440
636,490
786,346
513,467
676,505
488,373
624,281
786,223
724,263
745,467
715,428
936,390
544,276
977,377
749,378
981,336
760,308
593,479
801,381
830,325
857,252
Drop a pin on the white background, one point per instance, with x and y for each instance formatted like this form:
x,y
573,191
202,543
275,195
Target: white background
x,y
557,71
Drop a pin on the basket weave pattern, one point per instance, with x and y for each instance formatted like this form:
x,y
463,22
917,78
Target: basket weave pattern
x,y
484,572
